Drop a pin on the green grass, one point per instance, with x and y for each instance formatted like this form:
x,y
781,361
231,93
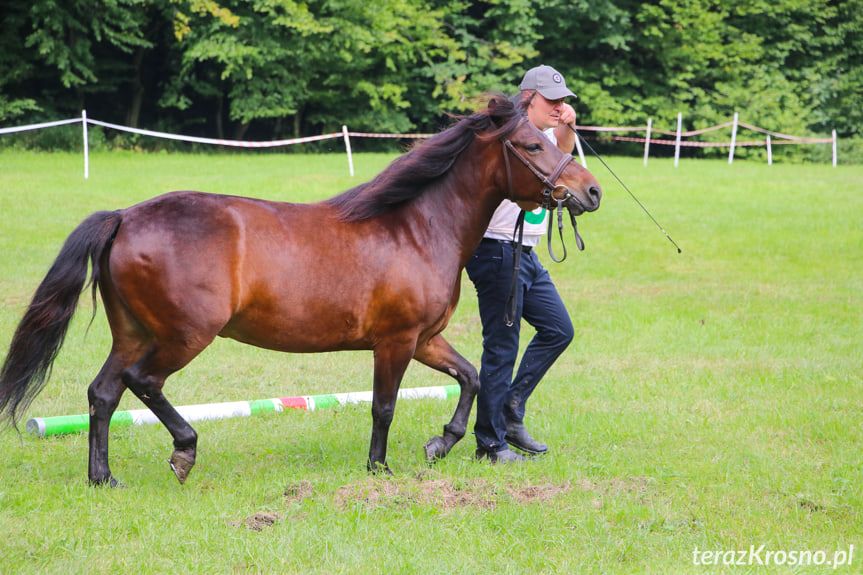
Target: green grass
x,y
711,399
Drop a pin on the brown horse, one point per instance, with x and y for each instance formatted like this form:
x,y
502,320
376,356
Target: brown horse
x,y
377,267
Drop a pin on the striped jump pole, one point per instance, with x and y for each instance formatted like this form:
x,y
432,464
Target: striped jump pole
x,y
60,425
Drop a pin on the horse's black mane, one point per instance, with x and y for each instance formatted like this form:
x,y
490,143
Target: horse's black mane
x,y
406,177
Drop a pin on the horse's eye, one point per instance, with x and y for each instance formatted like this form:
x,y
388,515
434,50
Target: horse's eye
x,y
533,148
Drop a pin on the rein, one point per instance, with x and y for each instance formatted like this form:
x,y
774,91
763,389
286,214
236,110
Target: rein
x,y
512,301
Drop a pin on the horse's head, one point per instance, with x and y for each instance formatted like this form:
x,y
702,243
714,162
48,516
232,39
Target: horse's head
x,y
537,172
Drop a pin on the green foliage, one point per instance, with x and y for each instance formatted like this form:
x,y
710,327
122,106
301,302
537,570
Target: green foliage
x,y
273,68
64,34
10,109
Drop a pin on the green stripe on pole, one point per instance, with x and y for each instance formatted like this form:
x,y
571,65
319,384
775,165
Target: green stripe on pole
x,y
262,406
64,424
324,401
122,418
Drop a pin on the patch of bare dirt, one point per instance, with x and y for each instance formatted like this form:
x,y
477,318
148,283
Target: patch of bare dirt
x,y
427,488
447,494
259,521
296,492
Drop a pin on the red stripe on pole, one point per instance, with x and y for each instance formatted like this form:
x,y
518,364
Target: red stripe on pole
x,y
293,402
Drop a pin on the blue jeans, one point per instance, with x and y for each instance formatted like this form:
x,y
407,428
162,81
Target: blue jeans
x,y
501,397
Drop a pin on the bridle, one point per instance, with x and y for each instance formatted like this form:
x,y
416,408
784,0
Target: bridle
x,y
552,192
549,182
553,196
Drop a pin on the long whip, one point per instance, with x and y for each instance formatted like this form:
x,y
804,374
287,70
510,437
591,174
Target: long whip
x,y
580,137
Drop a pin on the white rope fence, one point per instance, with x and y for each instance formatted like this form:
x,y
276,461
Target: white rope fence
x,y
647,140
679,134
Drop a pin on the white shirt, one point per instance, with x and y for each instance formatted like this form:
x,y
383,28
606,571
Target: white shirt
x,y
503,221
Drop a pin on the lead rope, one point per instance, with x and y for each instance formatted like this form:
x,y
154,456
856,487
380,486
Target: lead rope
x,y
512,300
578,241
559,231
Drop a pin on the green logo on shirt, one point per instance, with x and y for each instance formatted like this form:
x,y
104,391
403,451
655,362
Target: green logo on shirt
x,y
534,217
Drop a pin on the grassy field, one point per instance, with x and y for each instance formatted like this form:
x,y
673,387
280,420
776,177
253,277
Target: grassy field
x,y
711,400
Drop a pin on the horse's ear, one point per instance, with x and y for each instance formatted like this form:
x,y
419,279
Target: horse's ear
x,y
491,107
498,108
495,107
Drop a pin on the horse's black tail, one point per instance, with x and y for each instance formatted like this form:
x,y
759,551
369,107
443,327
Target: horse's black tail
x,y
40,335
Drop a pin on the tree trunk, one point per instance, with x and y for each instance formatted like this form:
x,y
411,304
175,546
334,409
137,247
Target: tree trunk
x,y
240,130
220,132
298,122
133,115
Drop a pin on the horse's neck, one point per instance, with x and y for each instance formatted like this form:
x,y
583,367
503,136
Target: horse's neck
x,y
461,205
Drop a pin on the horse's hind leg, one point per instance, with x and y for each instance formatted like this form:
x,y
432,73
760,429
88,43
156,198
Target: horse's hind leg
x,y
439,355
145,378
103,396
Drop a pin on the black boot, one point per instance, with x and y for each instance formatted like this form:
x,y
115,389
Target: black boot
x,y
502,456
518,437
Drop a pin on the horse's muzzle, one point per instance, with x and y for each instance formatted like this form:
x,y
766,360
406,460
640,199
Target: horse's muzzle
x,y
590,204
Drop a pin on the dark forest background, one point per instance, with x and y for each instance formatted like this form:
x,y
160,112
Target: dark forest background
x,y
265,69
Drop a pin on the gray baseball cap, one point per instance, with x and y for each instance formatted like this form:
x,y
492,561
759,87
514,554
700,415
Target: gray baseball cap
x,y
547,81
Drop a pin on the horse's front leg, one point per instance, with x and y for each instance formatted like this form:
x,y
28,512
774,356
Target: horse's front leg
x,y
391,361
439,355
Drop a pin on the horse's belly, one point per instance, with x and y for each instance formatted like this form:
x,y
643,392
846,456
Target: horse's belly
x,y
299,334
334,321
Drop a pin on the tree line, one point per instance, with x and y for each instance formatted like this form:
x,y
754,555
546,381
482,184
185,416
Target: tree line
x,y
283,68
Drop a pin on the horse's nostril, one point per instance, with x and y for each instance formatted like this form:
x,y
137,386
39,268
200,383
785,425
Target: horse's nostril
x,y
595,193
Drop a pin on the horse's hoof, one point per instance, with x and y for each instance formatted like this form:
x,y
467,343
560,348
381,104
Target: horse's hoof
x,y
182,463
435,449
379,468
110,482
115,484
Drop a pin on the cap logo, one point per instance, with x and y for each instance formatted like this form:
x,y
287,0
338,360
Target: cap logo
x,y
557,79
